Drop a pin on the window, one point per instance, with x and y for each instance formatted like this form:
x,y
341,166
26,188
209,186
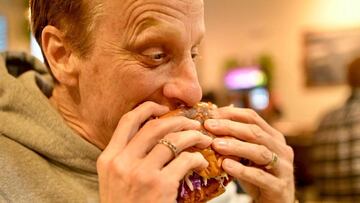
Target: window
x,y
35,49
3,33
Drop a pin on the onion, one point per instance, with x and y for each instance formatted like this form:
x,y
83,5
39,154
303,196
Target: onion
x,y
196,182
188,182
205,181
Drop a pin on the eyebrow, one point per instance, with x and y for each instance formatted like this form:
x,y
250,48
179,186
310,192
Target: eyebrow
x,y
163,34
147,23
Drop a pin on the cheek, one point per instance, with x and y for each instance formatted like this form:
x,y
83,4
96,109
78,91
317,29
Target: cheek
x,y
126,92
110,88
140,85
125,86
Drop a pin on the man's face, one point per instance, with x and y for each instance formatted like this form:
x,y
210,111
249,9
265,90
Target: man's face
x,y
143,51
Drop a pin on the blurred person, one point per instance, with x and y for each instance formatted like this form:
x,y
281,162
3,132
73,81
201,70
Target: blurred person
x,y
74,130
336,147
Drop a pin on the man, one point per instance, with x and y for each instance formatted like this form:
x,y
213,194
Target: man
x,y
336,147
116,64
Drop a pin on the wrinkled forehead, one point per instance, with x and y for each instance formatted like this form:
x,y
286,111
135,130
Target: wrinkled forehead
x,y
132,11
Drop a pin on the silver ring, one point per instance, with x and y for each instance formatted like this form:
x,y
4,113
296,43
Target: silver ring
x,y
273,161
172,147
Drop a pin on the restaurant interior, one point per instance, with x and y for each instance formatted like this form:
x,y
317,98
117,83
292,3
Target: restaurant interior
x,y
285,59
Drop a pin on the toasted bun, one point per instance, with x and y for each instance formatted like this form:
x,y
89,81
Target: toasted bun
x,y
201,186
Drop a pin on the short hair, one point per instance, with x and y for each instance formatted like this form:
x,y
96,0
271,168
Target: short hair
x,y
75,18
353,73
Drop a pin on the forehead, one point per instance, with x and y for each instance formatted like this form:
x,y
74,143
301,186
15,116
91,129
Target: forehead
x,y
185,6
130,12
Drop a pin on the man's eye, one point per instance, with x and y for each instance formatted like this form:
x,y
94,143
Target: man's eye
x,y
157,56
194,55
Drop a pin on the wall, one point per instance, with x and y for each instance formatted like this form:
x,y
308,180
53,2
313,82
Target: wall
x,y
245,28
18,35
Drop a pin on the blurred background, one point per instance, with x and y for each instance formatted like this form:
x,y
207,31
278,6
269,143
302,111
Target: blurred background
x,y
285,59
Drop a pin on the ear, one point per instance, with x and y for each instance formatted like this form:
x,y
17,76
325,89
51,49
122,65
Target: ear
x,y
59,56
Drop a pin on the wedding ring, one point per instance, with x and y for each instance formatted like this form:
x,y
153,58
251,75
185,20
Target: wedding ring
x,y
273,161
169,145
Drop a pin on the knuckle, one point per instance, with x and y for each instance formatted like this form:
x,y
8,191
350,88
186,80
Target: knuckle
x,y
107,164
279,134
150,104
102,162
194,136
229,126
173,138
256,131
263,149
253,151
188,156
265,153
193,158
189,123
112,168
185,155
290,153
153,124
129,116
117,168
252,115
260,174
199,136
198,157
236,147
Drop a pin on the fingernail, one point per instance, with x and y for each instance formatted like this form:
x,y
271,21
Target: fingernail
x,y
196,122
212,123
221,142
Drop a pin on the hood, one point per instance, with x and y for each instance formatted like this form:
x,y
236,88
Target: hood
x,y
28,118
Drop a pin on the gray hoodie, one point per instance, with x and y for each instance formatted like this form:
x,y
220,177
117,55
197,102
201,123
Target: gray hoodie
x,y
41,158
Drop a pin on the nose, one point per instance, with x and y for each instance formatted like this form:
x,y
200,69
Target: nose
x,y
184,86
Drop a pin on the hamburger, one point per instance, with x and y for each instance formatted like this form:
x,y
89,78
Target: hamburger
x,y
201,186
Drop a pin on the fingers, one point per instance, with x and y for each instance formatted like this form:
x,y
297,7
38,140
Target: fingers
x,y
248,116
259,144
247,132
149,135
256,176
258,141
182,164
162,154
130,123
258,154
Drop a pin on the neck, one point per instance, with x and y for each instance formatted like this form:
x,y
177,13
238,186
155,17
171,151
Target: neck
x,y
68,104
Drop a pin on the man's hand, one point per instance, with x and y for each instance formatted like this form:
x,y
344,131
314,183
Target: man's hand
x,y
256,141
135,168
